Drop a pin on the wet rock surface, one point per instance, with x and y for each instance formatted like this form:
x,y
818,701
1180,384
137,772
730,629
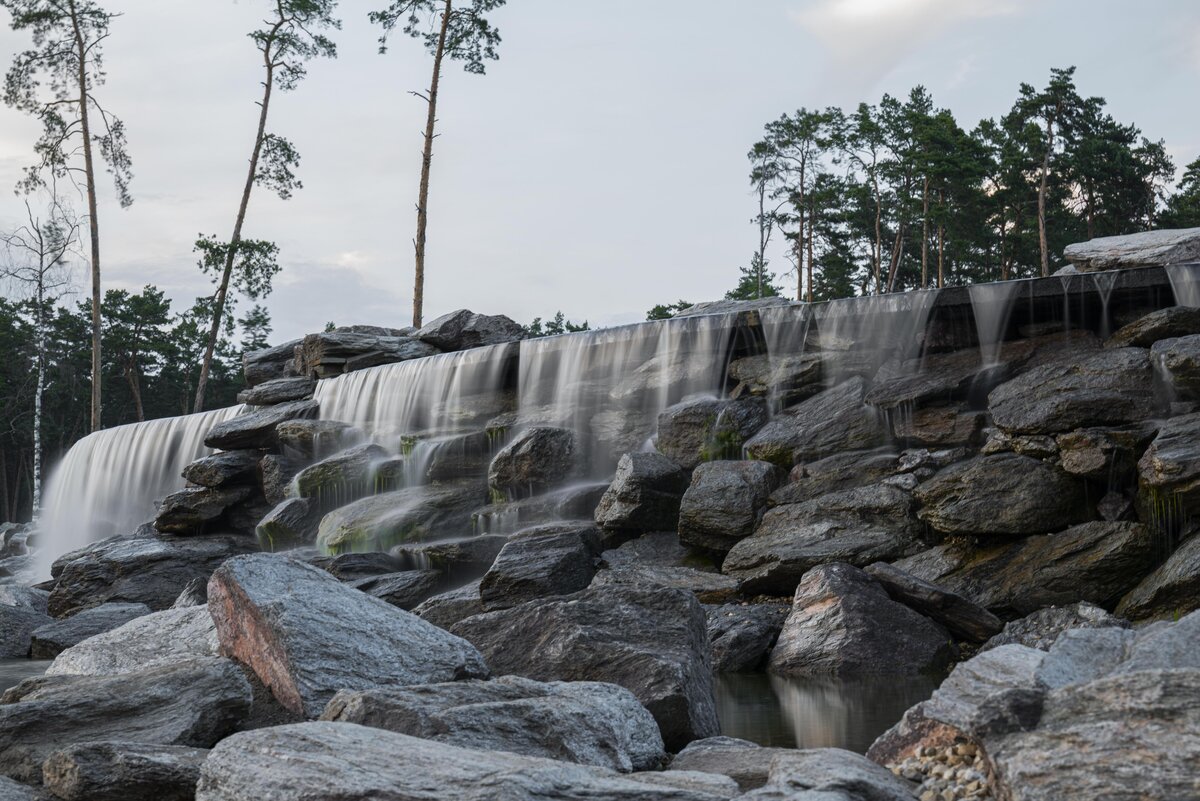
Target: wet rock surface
x,y
256,429
697,431
962,618
17,625
644,495
117,771
741,635
724,502
416,514
228,467
54,638
833,420
151,641
278,390
539,562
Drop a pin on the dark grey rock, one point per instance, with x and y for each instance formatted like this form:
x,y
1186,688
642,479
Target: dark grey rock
x,y
354,566
314,439
841,471
156,640
843,623
1143,249
963,618
276,473
445,609
644,495
469,555
341,478
1178,359
256,429
740,635
535,459
831,421
1169,473
306,635
190,510
193,703
16,791
1042,628
588,723
703,430
556,559
290,524
228,467
52,639
1173,321
27,597
745,762
278,390
119,771
332,353
783,379
731,306
462,329
939,376
1172,589
404,590
1103,454
939,426
1003,494
416,514
653,642
830,774
724,502
708,586
268,364
17,625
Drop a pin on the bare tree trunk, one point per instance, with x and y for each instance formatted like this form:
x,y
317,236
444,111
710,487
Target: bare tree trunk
x,y
135,388
925,235
231,255
40,390
894,261
93,218
812,231
941,244
1042,199
426,163
878,237
798,249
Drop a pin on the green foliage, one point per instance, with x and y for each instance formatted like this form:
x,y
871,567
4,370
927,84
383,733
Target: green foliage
x,y
667,311
470,38
1183,208
557,325
296,35
755,282
255,325
255,263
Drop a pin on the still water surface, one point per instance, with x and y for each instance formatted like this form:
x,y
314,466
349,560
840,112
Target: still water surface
x,y
14,671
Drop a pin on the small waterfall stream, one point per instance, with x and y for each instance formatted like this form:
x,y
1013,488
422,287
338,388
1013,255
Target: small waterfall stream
x,y
1185,280
993,305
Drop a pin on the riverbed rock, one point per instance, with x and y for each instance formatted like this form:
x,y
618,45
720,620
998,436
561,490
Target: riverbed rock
x,y
415,514
342,478
858,526
260,366
783,379
843,623
17,625
119,771
462,329
1172,589
939,426
306,635
275,474
555,559
333,353
403,590
1173,321
705,429
588,723
1104,388
1178,359
1169,473
1042,628
190,510
651,641
324,761
447,608
193,703
535,459
644,495
53,638
227,467
830,421
938,376
1002,495
278,390
148,570
1143,249
724,502
741,635
963,618
829,774
151,641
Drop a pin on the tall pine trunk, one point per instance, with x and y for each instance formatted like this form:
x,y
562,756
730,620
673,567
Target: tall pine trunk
x,y
426,163
925,235
812,232
1042,198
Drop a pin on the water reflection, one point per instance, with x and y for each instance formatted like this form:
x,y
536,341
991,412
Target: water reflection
x,y
815,712
15,671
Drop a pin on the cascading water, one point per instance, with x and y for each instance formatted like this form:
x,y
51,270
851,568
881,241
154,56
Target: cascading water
x,y
1185,281
992,304
857,335
1105,282
109,481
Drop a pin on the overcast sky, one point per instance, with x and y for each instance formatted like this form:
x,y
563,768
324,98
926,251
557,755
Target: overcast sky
x,y
598,168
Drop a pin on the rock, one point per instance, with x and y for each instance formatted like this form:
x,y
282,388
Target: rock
x,y
962,618
15,791
193,703
843,623
1042,628
1173,321
26,597
1165,646
256,429
268,364
314,439
148,570
118,771
447,608
1178,359
1143,249
703,430
1003,494
831,421
1102,454
404,590
939,426
731,306
1173,588
156,640
190,510
53,638
342,478
306,635
416,514
324,761
194,594
17,625
1104,388
276,473
458,456
937,376
740,635
1169,473
462,329
620,430
278,390
1095,562
289,525
540,562
534,460
784,379
228,467
708,586
1131,735
355,566
587,723
644,495
724,502
858,526
841,471
469,555
652,641
340,351
829,774
745,762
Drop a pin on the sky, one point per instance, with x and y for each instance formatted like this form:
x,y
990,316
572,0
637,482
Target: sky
x,y
598,168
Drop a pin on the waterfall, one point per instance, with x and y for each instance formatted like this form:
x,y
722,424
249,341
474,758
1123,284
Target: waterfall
x,y
109,481
992,304
1185,280
857,335
1105,282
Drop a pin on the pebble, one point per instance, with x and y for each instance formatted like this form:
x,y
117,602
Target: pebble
x,y
951,773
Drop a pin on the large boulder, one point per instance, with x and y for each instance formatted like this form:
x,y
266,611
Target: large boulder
x,y
342,478
1173,321
535,459
745,762
193,703
120,771
278,390
16,791
192,509
306,635
705,429
724,502
462,329
1103,388
1143,249
1002,494
644,495
404,590
54,638
843,623
831,421
858,526
1178,360
841,471
416,514
1103,454
260,366
447,608
1042,628
961,617
660,560
1172,589
829,774
741,635
17,625
327,761
315,439
27,597
585,722
148,570
256,429
345,350
652,641
1169,473
155,640
290,524
543,561
227,467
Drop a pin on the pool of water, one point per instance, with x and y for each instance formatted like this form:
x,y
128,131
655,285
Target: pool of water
x,y
14,671
815,712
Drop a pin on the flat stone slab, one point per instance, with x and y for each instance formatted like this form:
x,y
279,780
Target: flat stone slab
x,y
1144,249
